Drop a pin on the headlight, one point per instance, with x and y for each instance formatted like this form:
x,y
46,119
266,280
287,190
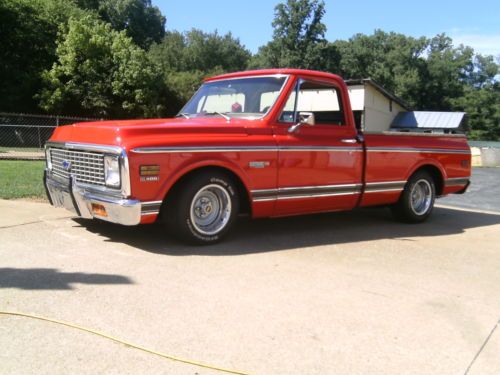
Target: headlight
x,y
47,158
112,170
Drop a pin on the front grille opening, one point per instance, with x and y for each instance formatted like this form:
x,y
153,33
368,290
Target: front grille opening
x,y
86,167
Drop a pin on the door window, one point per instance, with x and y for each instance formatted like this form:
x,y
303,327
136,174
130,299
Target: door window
x,y
320,98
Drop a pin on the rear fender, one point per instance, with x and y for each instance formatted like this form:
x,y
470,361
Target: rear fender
x,y
426,163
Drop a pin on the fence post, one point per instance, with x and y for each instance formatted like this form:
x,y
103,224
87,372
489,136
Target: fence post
x,y
39,138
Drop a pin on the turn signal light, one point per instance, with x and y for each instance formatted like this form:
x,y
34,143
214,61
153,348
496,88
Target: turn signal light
x,y
99,210
149,170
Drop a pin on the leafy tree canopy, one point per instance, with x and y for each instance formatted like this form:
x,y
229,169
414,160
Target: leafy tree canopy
x,y
197,50
28,32
298,38
142,21
187,58
101,72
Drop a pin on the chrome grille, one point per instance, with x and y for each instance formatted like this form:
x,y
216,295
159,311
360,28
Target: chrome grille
x,y
87,167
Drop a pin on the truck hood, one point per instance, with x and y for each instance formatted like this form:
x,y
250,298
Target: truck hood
x,y
157,132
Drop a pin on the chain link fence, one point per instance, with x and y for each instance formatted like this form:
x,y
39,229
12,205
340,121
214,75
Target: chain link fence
x,y
23,136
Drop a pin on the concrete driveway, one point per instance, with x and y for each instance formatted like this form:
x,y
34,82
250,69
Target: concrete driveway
x,y
344,293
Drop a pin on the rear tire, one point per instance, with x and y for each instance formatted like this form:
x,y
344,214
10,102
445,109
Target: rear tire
x,y
417,200
203,209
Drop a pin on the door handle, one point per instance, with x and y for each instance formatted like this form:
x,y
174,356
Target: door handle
x,y
349,140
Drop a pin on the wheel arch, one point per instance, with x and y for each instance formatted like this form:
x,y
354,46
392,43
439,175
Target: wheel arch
x,y
435,171
187,173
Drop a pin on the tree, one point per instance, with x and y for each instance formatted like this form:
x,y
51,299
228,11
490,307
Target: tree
x,y
100,72
142,21
445,73
427,73
394,60
483,109
197,50
481,99
28,31
483,72
298,38
187,58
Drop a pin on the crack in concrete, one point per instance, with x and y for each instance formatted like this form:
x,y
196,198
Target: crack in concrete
x,y
30,223
482,347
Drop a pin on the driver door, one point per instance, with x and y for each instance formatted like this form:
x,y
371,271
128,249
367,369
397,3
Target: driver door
x,y
320,165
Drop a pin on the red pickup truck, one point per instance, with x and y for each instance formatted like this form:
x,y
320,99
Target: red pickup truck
x,y
266,143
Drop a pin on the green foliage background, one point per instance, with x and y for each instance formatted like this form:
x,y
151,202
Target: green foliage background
x,y
113,59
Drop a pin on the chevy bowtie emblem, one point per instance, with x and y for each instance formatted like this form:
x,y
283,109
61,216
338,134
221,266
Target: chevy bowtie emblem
x,y
66,165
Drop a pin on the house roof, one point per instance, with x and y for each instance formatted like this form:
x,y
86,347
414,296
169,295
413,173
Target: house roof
x,y
387,94
428,120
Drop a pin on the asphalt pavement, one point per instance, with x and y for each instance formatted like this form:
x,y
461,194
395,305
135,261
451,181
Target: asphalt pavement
x,y
342,293
483,192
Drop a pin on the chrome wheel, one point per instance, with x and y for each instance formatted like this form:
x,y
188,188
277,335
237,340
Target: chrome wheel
x,y
421,197
210,209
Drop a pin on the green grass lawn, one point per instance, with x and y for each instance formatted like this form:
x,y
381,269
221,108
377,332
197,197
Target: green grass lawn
x,y
20,149
21,179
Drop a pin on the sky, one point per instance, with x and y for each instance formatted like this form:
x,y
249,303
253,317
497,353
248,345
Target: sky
x,y
473,23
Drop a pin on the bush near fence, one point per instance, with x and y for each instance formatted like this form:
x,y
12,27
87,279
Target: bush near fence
x,y
23,136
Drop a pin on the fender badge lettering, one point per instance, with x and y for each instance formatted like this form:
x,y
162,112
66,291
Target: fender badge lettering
x,y
258,164
150,179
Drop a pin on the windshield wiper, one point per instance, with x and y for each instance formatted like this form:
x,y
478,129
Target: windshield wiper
x,y
218,113
185,115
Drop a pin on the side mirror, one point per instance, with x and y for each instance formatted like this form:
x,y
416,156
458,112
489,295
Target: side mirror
x,y
305,118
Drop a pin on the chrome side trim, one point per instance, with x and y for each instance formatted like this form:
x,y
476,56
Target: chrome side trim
x,y
168,150
268,199
412,134
301,192
150,150
415,149
264,192
383,190
386,186
320,191
320,148
301,196
344,187
316,195
154,150
386,183
456,181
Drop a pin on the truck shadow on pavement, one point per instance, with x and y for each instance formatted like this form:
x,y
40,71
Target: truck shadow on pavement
x,y
264,235
53,279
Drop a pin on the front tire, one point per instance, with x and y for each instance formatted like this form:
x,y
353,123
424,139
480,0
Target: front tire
x,y
417,200
203,208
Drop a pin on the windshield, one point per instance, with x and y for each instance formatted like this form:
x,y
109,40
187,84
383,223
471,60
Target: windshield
x,y
242,97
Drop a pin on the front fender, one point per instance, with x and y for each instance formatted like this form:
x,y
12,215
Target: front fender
x,y
191,166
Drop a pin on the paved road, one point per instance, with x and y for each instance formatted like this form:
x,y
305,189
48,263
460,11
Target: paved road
x,y
483,193
346,293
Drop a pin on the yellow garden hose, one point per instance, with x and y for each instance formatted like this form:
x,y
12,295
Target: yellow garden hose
x,y
171,357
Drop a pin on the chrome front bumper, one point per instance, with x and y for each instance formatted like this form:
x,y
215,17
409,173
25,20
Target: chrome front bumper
x,y
79,199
